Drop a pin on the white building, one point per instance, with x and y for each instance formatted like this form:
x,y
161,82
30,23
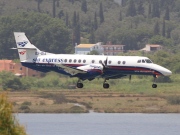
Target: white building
x,y
112,49
87,48
152,47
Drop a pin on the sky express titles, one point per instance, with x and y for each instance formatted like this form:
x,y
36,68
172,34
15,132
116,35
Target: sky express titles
x,y
47,60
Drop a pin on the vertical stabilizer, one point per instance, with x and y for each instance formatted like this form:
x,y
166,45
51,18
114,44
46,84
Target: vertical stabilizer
x,y
26,50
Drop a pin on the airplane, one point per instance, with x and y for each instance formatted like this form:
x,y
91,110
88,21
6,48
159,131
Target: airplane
x,y
86,67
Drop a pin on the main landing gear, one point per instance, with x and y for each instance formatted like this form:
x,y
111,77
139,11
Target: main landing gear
x,y
154,85
105,84
79,84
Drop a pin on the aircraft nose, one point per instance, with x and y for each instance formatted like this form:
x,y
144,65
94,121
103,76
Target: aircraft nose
x,y
167,72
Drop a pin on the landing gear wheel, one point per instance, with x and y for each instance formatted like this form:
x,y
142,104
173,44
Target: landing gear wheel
x,y
106,85
154,86
79,85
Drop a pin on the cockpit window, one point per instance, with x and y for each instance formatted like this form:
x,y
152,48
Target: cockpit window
x,y
148,61
139,61
144,61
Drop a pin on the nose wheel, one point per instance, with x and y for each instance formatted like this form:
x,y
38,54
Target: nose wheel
x,y
154,85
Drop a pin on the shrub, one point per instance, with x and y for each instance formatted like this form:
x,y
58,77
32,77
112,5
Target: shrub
x,y
163,79
26,103
173,100
25,108
58,98
76,109
42,103
8,124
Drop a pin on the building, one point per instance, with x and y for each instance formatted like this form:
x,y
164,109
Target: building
x,y
108,49
152,47
17,69
87,48
112,49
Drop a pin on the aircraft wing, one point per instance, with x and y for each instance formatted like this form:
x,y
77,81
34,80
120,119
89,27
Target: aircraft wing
x,y
70,70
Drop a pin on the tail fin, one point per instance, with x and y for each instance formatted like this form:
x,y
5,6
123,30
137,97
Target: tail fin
x,y
26,50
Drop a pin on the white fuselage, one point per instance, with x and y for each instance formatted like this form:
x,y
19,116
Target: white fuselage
x,y
137,64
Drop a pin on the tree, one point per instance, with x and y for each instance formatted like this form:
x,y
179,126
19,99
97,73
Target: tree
x,y
167,16
149,11
155,9
38,6
84,6
57,3
131,10
76,29
120,16
164,29
158,39
123,2
168,33
74,21
9,125
54,8
156,28
140,9
92,36
47,33
77,34
101,13
95,21
61,14
67,19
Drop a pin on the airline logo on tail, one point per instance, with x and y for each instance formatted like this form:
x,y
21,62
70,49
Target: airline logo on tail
x,y
22,44
22,52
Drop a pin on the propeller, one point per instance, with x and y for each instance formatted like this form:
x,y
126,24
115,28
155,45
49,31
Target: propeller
x,y
104,64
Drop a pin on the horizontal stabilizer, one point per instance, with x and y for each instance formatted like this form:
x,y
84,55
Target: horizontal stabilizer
x,y
24,48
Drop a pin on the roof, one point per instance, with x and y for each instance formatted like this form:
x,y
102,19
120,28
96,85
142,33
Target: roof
x,y
112,45
85,45
153,45
6,61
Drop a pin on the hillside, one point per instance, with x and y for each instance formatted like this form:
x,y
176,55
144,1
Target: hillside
x,y
134,23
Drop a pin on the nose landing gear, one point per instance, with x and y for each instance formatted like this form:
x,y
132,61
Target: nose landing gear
x,y
154,85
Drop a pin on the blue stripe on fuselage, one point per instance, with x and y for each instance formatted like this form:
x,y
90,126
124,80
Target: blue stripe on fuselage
x,y
110,72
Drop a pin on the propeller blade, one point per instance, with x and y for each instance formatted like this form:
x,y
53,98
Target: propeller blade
x,y
105,62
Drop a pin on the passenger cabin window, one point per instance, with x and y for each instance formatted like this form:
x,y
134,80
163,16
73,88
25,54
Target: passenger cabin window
x,y
143,61
139,61
65,60
119,62
100,61
79,61
75,60
109,62
84,61
124,62
93,61
70,60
